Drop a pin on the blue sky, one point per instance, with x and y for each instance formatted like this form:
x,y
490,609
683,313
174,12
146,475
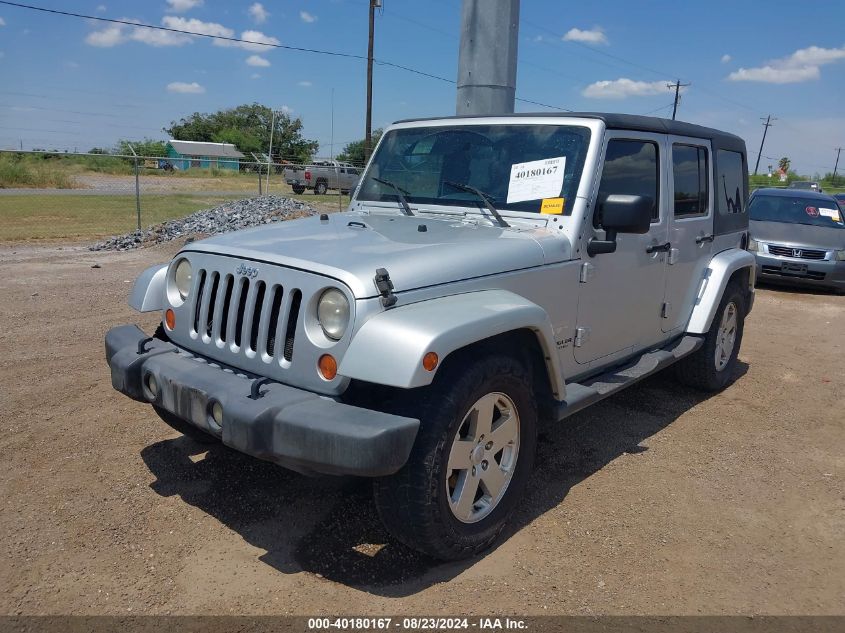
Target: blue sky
x,y
76,84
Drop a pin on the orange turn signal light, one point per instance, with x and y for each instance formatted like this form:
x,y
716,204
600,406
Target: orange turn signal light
x,y
430,361
327,366
170,319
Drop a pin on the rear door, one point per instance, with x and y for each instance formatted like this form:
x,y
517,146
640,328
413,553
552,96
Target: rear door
x,y
691,211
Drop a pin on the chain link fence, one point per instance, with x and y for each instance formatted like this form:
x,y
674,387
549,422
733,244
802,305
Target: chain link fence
x,y
55,194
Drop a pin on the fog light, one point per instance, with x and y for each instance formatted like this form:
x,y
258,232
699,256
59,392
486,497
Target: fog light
x,y
217,413
152,386
327,366
170,319
430,361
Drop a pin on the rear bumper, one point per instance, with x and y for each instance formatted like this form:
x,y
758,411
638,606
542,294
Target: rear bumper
x,y
292,427
819,273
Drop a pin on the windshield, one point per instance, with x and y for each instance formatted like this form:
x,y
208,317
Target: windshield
x,y
517,166
810,211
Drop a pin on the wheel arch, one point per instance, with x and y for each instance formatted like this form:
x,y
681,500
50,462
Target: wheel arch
x,y
388,349
733,265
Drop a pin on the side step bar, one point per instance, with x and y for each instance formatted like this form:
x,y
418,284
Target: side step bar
x,y
580,396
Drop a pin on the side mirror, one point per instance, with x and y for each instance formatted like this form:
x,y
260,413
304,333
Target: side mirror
x,y
621,214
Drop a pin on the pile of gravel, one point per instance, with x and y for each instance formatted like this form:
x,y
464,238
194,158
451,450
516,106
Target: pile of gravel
x,y
231,216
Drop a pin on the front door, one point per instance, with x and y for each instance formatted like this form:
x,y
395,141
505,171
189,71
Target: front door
x,y
690,227
621,294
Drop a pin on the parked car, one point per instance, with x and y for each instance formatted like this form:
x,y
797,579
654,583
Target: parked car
x,y
806,184
322,176
489,273
798,237
840,198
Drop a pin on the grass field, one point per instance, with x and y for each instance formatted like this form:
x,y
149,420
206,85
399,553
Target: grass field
x,y
29,217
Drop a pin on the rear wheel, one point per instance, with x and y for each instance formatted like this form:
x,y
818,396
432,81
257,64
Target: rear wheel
x,y
298,189
320,188
711,367
471,461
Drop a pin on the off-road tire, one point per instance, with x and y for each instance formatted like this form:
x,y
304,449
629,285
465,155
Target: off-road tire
x,y
320,188
413,503
185,428
298,189
699,370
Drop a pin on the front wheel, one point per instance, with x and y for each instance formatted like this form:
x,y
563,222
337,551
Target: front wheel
x,y
298,189
471,461
320,188
712,366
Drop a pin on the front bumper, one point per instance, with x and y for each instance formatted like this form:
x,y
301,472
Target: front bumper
x,y
292,427
819,273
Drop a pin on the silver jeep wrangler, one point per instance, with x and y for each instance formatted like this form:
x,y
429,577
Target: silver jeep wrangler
x,y
489,273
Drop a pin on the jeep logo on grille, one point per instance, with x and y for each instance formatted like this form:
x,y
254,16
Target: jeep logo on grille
x,y
247,271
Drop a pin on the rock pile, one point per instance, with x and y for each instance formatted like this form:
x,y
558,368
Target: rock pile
x,y
230,216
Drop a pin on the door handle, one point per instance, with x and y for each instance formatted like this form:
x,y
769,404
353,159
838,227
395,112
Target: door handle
x,y
659,248
704,238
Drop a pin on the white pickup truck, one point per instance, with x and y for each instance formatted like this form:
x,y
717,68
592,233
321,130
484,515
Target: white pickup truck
x,y
322,176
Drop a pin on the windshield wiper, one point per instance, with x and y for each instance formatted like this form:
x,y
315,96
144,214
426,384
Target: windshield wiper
x,y
485,198
406,208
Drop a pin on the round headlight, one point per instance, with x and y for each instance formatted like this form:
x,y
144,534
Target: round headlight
x,y
333,313
182,277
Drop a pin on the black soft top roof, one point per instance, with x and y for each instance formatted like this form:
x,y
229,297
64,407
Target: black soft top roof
x,y
616,121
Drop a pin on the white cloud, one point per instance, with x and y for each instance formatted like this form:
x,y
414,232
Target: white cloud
x,y
255,41
156,38
2,22
110,36
181,87
307,17
257,60
101,8
258,13
180,6
594,36
286,109
622,88
2,54
255,76
71,64
305,84
197,26
802,65
726,58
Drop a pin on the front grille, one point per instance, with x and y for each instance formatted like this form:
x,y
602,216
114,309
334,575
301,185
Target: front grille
x,y
796,252
807,274
246,315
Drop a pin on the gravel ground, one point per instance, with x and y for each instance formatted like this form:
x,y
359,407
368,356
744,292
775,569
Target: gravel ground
x,y
660,500
230,216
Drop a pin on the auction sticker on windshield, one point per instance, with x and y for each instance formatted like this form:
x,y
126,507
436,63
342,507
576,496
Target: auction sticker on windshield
x,y
833,214
536,179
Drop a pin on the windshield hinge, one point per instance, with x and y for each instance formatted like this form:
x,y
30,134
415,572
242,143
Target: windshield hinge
x,y
385,287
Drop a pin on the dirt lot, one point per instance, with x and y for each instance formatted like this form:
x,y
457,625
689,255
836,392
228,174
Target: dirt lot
x,y
657,501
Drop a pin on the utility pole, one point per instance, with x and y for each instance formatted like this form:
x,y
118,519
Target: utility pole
x,y
677,86
487,57
838,149
270,155
766,126
368,138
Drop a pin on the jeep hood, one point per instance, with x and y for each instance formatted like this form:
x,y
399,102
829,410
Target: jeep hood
x,y
416,251
791,234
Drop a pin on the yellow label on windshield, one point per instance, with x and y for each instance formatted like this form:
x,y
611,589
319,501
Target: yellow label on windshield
x,y
552,206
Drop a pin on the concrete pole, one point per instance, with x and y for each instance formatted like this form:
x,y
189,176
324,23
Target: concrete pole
x,y
487,58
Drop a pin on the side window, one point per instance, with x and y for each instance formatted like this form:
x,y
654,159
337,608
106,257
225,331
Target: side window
x,y
690,173
729,182
630,167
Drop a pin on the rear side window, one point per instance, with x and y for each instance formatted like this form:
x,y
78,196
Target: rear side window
x,y
632,168
729,182
692,184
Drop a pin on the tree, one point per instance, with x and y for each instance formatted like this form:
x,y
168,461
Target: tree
x,y
783,164
354,151
248,127
146,147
